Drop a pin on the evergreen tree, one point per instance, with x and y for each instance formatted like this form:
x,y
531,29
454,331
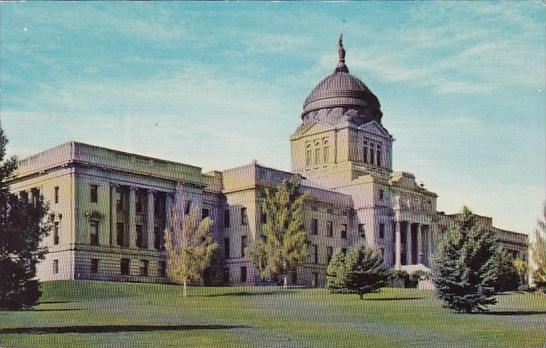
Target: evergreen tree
x,y
189,245
465,267
364,271
507,275
283,244
22,227
539,253
335,274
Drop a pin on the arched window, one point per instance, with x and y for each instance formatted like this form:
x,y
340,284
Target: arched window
x,y
308,155
365,152
325,152
372,160
379,155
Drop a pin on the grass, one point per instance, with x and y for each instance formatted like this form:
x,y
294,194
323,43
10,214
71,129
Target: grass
x,y
104,314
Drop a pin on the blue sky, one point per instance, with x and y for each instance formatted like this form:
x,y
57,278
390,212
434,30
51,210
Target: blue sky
x,y
462,85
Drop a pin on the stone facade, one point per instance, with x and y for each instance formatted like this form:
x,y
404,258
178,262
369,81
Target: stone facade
x,y
110,208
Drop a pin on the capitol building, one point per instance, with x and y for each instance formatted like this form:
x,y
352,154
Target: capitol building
x,y
110,208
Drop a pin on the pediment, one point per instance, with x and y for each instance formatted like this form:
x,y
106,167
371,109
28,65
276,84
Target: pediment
x,y
375,128
311,129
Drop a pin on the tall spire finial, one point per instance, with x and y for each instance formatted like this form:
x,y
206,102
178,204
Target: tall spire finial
x,y
341,67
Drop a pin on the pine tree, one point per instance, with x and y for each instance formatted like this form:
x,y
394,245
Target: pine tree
x,y
283,244
508,278
465,267
189,245
364,270
539,253
335,274
22,227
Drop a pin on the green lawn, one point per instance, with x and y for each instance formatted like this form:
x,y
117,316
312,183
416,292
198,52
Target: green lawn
x,y
85,314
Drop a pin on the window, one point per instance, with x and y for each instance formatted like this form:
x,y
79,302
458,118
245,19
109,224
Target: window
x,y
124,266
94,194
243,274
263,218
361,231
143,268
119,234
226,218
381,194
139,236
56,194
35,195
205,213
243,245
308,156
317,155
330,228
55,266
314,254
372,160
329,253
344,231
94,233
56,232
119,200
139,201
226,248
244,217
162,269
344,251
325,152
379,155
365,152
226,275
157,238
23,196
381,231
94,265
314,226
187,207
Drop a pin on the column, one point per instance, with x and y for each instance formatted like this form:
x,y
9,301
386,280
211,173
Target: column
x,y
398,246
150,220
409,245
132,217
113,214
420,254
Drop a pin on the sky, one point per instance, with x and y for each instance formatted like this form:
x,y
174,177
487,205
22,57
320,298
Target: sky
x,y
217,85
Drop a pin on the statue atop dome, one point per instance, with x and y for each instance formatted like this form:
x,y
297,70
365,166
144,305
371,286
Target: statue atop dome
x,y
341,67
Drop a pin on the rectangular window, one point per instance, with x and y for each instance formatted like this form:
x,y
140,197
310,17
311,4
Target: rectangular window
x,y
56,233
314,254
143,268
56,195
329,253
325,154
244,217
344,231
226,275
243,274
55,266
205,213
94,265
226,248
187,207
308,156
372,157
120,229
162,269
157,238
124,266
119,200
226,218
35,194
365,152
139,201
263,218
361,231
381,194
330,228
314,226
94,233
94,193
381,231
378,156
317,155
243,245
139,236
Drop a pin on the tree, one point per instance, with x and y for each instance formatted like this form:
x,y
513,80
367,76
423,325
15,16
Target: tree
x,y
22,227
283,245
507,275
364,269
522,268
539,253
465,266
335,274
189,245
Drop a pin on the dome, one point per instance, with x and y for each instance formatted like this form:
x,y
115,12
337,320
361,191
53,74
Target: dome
x,y
341,89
